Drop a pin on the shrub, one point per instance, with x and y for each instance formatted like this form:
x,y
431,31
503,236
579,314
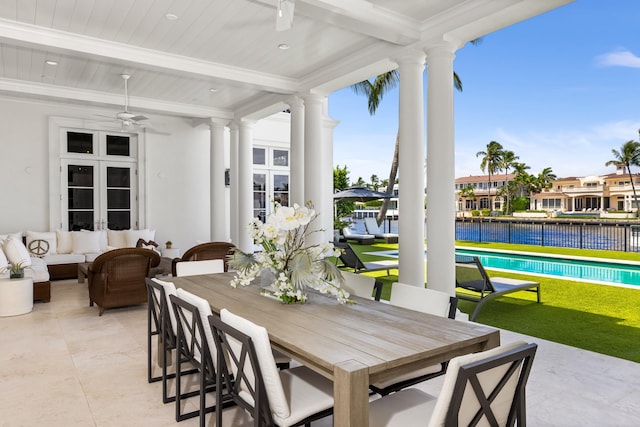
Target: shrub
x,y
486,212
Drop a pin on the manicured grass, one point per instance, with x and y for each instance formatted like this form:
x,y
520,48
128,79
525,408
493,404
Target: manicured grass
x,y
600,318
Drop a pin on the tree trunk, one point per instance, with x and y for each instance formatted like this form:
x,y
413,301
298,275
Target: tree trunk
x,y
392,179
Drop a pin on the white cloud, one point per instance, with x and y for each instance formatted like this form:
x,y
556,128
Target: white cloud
x,y
619,58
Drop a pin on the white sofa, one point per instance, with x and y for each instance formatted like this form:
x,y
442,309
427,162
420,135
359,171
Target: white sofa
x,y
13,251
64,250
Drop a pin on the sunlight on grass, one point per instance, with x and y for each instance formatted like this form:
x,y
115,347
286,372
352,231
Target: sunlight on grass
x,y
600,318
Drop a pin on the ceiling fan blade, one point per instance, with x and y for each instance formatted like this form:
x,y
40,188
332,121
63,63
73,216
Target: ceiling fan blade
x,y
139,118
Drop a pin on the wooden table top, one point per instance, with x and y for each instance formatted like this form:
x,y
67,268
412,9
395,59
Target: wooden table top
x,y
322,333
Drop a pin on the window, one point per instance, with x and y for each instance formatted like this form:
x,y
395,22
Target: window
x,y
79,142
280,157
554,203
259,156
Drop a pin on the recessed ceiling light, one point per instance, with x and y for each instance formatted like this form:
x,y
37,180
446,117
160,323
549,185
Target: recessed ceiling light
x,y
283,46
171,16
50,62
213,90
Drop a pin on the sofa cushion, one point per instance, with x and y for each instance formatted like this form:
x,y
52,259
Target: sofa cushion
x,y
49,237
117,238
4,262
90,257
38,271
64,259
16,252
65,244
132,237
85,242
102,238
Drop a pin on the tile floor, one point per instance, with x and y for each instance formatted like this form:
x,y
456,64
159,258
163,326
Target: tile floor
x,y
63,365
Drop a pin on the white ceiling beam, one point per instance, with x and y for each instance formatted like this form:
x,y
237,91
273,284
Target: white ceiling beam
x,y
46,91
358,16
47,39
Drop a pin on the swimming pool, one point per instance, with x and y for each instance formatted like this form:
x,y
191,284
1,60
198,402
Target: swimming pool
x,y
583,269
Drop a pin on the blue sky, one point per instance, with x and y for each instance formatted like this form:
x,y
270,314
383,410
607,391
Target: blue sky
x,y
560,90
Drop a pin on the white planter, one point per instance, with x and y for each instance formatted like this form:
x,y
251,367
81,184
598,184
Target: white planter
x,y
16,296
530,214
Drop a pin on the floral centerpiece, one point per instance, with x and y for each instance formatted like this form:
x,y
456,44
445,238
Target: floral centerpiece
x,y
295,265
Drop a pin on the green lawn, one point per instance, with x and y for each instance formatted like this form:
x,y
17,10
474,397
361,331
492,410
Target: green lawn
x,y
600,318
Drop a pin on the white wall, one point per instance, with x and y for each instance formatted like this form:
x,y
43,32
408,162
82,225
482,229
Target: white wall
x,y
176,193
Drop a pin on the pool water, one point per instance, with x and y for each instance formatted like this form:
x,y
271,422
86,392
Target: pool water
x,y
610,273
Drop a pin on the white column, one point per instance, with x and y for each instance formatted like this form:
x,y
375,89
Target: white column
x,y
328,124
440,170
410,170
218,206
313,163
245,184
296,146
233,182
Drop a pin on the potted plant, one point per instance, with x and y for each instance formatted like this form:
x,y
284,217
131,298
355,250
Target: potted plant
x,y
16,271
168,244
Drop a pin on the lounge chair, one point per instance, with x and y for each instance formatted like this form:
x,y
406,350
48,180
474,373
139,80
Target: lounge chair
x,y
363,239
470,275
350,259
372,228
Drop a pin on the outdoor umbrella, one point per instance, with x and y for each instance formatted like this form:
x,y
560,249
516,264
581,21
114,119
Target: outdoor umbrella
x,y
361,194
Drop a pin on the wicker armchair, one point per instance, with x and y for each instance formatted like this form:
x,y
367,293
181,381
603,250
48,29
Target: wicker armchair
x,y
203,251
117,277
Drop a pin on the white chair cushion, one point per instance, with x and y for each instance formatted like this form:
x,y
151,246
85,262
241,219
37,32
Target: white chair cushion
x,y
420,299
169,289
270,374
49,237
205,311
4,262
192,268
359,285
414,374
16,252
64,242
85,242
117,238
307,392
488,380
408,407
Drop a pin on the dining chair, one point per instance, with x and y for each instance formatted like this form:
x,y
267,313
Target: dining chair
x,y
204,251
291,397
361,285
194,341
193,268
427,301
162,323
486,388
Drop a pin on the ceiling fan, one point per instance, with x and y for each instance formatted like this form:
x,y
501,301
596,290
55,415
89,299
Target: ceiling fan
x,y
128,120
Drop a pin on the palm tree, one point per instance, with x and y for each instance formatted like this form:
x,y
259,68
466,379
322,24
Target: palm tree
x,y
629,155
491,161
468,192
375,91
508,160
522,179
544,180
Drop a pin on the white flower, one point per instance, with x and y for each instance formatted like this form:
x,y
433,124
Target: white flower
x,y
286,218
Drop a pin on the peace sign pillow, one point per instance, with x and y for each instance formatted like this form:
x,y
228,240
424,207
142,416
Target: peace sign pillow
x,y
41,243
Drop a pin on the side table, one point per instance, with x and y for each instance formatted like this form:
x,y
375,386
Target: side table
x,y
170,253
16,296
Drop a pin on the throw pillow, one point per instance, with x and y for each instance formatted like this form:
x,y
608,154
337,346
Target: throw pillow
x,y
17,235
134,235
86,243
38,248
16,252
103,238
117,238
65,244
4,262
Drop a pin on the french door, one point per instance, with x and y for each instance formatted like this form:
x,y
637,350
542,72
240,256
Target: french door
x,y
99,194
267,186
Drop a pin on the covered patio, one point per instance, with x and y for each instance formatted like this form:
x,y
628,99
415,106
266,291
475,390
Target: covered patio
x,y
227,64
58,371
